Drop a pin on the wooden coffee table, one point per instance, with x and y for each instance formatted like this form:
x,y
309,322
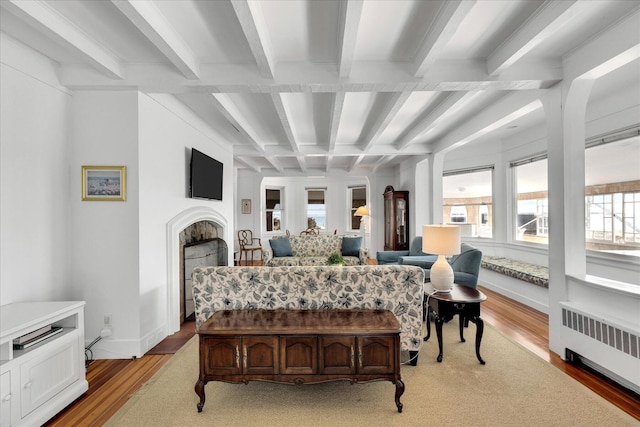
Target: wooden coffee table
x,y
300,347
461,300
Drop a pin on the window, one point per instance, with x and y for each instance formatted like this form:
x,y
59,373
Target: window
x,y
612,193
531,199
316,209
357,197
467,200
273,211
458,214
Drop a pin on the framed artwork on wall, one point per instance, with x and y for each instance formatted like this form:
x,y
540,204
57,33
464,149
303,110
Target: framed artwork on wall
x,y
104,183
246,206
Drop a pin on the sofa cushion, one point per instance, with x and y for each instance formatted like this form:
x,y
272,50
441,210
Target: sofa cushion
x,y
425,261
351,246
313,260
284,261
281,247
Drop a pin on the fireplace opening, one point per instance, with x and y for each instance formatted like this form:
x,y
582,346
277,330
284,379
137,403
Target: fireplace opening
x,y
200,246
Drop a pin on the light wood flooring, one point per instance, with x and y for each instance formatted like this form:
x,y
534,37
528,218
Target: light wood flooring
x,y
112,382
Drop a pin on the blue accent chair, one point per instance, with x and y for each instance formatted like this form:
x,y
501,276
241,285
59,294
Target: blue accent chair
x,y
465,266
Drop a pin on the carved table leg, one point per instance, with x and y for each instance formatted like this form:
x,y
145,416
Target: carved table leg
x,y
461,318
479,330
428,320
439,321
199,388
399,392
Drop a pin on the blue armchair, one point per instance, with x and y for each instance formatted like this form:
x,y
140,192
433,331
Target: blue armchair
x,y
414,256
465,266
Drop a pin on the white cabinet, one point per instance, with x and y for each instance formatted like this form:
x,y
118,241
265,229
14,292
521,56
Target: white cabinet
x,y
5,399
38,382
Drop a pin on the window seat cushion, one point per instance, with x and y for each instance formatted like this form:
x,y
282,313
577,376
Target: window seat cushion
x,y
532,273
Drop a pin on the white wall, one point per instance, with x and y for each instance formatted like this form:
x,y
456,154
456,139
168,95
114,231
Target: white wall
x,y
104,242
35,175
120,257
113,255
167,133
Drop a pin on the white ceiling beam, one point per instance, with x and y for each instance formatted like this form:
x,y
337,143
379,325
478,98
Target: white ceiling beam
x,y
446,23
355,162
606,52
297,77
550,17
278,104
383,161
350,12
59,29
450,105
248,163
237,120
341,150
393,105
148,19
334,119
506,110
327,165
275,163
255,30
303,163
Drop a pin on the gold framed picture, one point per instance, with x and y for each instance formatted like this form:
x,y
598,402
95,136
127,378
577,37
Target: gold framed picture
x,y
104,183
246,206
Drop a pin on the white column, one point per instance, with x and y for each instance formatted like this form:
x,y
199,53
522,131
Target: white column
x,y
436,168
565,108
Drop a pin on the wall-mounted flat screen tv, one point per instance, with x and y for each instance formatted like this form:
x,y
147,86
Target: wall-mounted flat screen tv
x,y
206,176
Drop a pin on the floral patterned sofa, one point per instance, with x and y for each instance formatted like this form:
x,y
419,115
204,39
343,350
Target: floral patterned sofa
x,y
314,250
397,288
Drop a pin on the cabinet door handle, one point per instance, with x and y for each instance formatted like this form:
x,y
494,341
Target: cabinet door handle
x,y
360,355
7,398
353,355
237,357
244,357
27,385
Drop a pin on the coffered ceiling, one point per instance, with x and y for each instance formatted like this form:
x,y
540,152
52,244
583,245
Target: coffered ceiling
x,y
316,87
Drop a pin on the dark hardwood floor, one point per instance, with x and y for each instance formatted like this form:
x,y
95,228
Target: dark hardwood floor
x,y
112,382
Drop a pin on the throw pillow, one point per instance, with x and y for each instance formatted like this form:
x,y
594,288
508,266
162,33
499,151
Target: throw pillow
x,y
351,246
281,247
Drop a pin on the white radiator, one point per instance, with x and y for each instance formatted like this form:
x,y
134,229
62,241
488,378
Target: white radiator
x,y
603,344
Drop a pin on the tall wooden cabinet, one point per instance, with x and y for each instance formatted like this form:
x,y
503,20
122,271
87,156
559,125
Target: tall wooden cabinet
x,y
396,219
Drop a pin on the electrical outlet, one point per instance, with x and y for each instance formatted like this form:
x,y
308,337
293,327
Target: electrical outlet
x,y
107,319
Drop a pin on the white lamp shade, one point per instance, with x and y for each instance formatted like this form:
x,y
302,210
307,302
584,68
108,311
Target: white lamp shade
x,y
440,239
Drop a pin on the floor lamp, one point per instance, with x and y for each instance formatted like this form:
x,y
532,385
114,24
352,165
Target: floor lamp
x,y
362,212
441,240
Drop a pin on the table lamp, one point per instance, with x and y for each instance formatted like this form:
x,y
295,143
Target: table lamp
x,y
441,240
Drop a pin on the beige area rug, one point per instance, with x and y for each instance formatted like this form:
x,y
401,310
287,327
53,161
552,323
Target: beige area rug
x,y
514,388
